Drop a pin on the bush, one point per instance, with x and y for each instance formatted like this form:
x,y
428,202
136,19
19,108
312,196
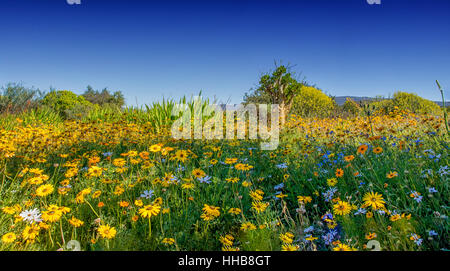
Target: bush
x,y
383,106
15,98
414,103
404,101
64,102
311,101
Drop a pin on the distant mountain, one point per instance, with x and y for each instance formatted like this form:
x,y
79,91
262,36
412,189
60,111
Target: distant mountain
x,y
340,100
440,103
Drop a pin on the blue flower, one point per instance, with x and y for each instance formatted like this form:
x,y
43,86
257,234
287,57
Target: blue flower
x,y
329,237
282,166
329,194
276,193
148,194
360,211
106,154
205,179
309,229
416,239
278,186
416,196
443,171
327,216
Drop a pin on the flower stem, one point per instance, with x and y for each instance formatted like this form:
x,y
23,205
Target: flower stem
x,y
149,228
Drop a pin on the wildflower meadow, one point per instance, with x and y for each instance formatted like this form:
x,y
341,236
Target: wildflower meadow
x,y
190,130
118,180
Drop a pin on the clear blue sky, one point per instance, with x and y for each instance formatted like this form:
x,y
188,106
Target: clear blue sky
x,y
151,49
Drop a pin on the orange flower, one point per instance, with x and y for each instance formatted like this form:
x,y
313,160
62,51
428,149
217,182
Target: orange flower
x,y
362,149
349,158
339,172
124,204
391,174
378,150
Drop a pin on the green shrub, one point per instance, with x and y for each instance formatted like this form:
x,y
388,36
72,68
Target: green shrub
x,y
311,101
15,98
64,102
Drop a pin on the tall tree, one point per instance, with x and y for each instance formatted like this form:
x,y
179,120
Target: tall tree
x,y
277,87
104,97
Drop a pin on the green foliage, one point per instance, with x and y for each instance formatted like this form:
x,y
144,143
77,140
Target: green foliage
x,y
260,240
444,108
277,87
157,115
15,98
104,97
312,102
66,103
107,112
34,116
257,97
40,114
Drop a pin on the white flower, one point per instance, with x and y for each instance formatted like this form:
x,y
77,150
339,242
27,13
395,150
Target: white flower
x,y
31,215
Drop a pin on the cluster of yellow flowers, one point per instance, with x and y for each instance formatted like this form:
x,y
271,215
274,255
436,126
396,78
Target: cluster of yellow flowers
x,y
102,181
210,212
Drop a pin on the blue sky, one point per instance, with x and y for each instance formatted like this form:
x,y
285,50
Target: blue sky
x,y
155,49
